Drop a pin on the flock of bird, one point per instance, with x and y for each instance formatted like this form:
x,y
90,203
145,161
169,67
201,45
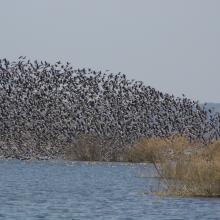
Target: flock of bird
x,y
44,107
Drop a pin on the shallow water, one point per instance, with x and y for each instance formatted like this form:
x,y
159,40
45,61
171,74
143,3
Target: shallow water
x,y
79,190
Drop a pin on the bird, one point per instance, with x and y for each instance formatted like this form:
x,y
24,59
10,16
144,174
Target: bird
x,y
46,106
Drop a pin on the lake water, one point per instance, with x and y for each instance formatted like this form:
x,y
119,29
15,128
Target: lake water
x,y
80,190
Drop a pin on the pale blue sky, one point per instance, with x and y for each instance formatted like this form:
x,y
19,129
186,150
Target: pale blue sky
x,y
172,45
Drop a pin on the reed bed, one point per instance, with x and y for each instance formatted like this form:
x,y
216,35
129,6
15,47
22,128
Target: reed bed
x,y
87,147
186,168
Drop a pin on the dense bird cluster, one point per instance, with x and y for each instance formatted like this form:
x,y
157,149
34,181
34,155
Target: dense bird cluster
x,y
44,107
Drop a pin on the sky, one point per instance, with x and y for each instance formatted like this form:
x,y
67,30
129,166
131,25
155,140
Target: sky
x,y
171,45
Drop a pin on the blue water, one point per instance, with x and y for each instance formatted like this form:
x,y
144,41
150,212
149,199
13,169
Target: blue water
x,y
79,190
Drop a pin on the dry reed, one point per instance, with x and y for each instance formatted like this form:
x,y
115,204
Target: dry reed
x,y
187,169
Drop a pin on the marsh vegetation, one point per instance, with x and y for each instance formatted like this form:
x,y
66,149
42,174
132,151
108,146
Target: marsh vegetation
x,y
185,168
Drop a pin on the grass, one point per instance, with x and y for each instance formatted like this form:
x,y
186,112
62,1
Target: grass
x,y
85,148
156,149
186,169
88,147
